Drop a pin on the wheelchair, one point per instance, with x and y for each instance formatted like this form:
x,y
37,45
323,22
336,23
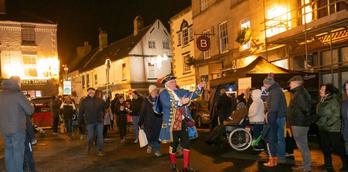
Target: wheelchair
x,y
238,134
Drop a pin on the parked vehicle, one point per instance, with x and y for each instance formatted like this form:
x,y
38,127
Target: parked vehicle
x,y
42,116
200,113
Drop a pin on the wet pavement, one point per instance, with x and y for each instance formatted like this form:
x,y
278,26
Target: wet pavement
x,y
59,154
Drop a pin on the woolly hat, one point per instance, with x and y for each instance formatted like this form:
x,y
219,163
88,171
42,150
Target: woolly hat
x,y
269,81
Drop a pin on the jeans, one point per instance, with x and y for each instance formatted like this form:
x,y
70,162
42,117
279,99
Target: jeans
x,y
301,137
91,129
256,130
281,138
332,140
155,145
68,126
135,120
14,151
55,123
122,125
29,164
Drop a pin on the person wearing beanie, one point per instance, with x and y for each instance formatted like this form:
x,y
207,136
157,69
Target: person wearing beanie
x,y
151,122
177,125
273,132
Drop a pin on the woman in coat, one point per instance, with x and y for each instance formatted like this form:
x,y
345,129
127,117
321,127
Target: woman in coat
x,y
256,116
345,116
150,121
329,124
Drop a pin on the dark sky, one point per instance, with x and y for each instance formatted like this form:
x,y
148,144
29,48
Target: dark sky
x,y
79,20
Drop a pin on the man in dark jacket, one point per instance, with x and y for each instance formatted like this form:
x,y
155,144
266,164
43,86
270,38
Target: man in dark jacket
x,y
92,108
223,106
299,118
276,107
15,108
344,113
55,107
135,107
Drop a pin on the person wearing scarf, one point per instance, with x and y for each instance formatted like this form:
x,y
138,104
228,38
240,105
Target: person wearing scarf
x,y
173,104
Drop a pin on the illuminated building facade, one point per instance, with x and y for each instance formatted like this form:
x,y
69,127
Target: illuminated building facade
x,y
29,50
183,49
304,35
136,61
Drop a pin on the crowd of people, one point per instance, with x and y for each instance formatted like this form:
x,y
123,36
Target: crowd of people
x,y
274,111
165,117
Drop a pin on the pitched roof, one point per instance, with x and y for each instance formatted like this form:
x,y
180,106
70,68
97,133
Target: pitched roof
x,y
116,50
258,66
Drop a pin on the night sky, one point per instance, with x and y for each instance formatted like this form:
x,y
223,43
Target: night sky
x,y
79,20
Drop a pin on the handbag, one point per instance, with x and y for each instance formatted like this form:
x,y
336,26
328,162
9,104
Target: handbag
x,y
192,132
142,138
189,122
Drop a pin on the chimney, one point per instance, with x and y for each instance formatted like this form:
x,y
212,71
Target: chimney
x,y
82,51
138,23
2,7
103,39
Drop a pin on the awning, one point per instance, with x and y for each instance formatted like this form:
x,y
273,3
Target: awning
x,y
258,66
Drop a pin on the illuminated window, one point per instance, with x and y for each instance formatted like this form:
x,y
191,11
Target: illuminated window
x,y
245,24
223,37
307,11
87,81
29,64
151,71
123,71
204,4
206,54
28,35
278,21
186,33
152,44
83,81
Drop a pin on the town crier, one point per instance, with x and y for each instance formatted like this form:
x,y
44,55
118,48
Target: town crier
x,y
178,125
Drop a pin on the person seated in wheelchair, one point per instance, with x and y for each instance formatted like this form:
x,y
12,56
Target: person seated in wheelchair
x,y
238,116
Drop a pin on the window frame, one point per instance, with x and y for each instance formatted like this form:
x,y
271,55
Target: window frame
x,y
223,41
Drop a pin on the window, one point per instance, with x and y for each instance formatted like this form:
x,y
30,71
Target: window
x,y
223,37
166,44
245,24
124,72
326,58
206,54
179,38
204,4
29,64
95,79
152,44
28,35
185,33
278,20
83,81
187,67
151,71
307,11
344,53
87,81
326,7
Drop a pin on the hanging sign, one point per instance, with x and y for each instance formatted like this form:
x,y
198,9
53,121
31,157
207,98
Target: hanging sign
x,y
203,43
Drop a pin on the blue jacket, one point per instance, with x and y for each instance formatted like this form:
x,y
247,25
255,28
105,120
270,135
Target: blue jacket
x,y
166,105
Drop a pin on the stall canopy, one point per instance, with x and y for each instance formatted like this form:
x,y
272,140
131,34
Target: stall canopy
x,y
258,66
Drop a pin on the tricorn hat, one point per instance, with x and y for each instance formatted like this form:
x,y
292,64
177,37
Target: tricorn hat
x,y
167,78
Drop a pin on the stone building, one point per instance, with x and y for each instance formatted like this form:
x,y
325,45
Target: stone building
x,y
183,49
136,61
306,35
28,48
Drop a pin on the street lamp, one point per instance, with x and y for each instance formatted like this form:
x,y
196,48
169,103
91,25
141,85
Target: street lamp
x,y
66,69
107,66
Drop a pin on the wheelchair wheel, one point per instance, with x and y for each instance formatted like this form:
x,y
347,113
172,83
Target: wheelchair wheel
x,y
240,139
